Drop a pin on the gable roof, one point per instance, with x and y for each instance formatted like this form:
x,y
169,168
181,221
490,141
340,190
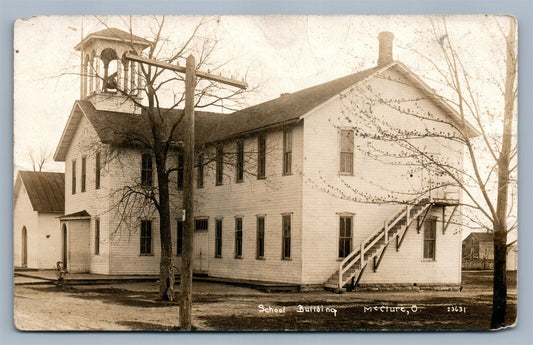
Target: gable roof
x,y
46,190
114,34
480,236
212,127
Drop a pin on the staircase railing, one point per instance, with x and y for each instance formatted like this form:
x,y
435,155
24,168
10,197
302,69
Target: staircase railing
x,y
358,255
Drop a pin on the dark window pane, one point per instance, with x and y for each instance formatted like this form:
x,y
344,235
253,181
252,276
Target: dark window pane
x,y
98,168
201,224
146,170
286,240
83,173
179,244
240,161
287,151
74,177
200,177
180,171
219,165
218,238
261,156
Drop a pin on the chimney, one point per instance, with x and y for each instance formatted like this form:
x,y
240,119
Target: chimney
x,y
385,48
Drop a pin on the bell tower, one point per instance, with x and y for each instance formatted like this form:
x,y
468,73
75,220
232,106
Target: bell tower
x,y
108,80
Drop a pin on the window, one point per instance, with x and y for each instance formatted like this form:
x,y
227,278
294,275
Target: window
x,y
98,168
261,157
180,171
346,157
240,161
218,238
287,151
97,236
345,236
286,237
83,173
74,177
146,170
201,224
430,233
200,171
260,251
238,238
179,237
146,237
219,165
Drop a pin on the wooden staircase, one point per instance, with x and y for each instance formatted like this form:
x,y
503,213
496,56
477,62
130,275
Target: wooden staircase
x,y
371,250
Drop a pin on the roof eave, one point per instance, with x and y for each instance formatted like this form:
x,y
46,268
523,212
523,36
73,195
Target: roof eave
x,y
337,95
144,44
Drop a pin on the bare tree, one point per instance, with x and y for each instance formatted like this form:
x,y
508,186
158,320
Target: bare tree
x,y
39,159
409,143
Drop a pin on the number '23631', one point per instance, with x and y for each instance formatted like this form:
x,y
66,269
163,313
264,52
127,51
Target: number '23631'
x,y
456,309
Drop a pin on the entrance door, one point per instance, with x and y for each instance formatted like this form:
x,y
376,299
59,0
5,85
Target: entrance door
x,y
65,249
200,253
24,247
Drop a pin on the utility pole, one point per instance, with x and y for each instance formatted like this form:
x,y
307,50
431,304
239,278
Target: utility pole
x,y
188,171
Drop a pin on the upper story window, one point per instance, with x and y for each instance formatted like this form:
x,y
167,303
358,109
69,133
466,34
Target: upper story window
x,y
200,171
146,170
98,169
219,165
346,154
430,238
240,161
287,151
261,157
83,173
180,171
74,176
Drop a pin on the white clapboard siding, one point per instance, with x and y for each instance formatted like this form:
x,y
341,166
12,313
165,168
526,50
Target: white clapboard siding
x,y
326,195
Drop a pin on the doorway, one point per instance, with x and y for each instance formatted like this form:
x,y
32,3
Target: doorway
x,y
24,247
65,249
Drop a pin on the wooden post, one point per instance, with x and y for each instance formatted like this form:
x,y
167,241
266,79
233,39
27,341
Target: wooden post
x,y
386,227
188,199
362,253
340,276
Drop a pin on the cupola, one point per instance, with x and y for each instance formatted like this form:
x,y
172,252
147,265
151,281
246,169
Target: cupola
x,y
108,80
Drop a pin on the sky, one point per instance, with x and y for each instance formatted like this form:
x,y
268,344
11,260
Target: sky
x,y
279,53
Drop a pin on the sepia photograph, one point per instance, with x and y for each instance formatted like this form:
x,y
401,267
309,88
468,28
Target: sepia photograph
x,y
265,173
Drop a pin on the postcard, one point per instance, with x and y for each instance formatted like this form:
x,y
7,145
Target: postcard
x,y
265,173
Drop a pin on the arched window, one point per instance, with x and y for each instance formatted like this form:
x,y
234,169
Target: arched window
x,y
24,247
110,78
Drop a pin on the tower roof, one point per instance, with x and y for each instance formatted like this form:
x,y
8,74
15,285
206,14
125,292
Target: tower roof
x,y
114,34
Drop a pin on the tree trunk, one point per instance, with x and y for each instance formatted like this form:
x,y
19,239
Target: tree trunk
x,y
188,201
499,299
166,267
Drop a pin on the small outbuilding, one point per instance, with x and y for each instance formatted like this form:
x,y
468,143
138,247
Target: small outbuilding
x,y
39,201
